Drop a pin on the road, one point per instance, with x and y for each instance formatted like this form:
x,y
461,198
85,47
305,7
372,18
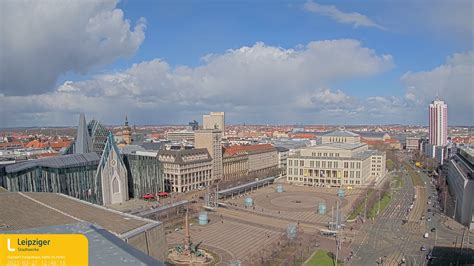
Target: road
x,y
388,239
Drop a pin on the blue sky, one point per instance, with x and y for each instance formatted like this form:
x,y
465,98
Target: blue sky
x,y
417,39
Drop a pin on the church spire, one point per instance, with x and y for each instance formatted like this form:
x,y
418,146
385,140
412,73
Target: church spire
x,y
83,142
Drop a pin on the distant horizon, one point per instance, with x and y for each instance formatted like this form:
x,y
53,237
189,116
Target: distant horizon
x,y
262,125
298,61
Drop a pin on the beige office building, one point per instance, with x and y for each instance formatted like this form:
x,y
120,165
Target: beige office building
x,y
340,160
180,135
211,140
235,166
186,170
261,159
214,120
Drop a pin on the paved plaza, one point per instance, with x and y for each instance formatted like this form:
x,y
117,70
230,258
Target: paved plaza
x,y
246,234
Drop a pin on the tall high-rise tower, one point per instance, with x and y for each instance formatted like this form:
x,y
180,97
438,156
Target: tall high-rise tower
x,y
438,123
214,120
211,140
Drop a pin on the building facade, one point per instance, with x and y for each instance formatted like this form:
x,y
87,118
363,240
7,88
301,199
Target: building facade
x,y
186,170
112,174
412,143
211,140
73,175
438,123
235,166
145,173
283,154
345,161
461,185
262,158
214,120
180,135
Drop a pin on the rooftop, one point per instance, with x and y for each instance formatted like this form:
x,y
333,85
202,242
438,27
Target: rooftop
x,y
232,150
71,160
38,209
281,149
340,133
179,154
372,134
340,145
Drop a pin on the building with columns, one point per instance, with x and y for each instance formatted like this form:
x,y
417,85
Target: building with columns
x,y
340,160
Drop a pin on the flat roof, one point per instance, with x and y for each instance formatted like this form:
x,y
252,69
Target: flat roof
x,y
70,160
104,247
245,186
38,209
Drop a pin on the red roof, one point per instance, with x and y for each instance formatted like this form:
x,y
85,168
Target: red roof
x,y
303,136
36,144
59,144
232,150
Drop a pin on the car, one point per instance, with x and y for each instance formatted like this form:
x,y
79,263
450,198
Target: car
x,y
429,210
423,248
433,229
426,235
429,219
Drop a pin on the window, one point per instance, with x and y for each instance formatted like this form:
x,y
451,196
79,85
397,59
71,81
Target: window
x,y
301,163
331,154
336,164
115,186
352,164
318,164
301,171
329,164
311,163
290,162
319,154
358,165
325,154
323,164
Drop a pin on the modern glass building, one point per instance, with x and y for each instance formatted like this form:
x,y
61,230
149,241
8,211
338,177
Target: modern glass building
x,y
73,175
145,173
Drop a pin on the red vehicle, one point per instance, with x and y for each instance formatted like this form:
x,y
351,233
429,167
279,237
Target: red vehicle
x,y
163,194
148,196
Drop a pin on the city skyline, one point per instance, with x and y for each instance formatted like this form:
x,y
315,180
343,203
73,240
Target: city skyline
x,y
304,62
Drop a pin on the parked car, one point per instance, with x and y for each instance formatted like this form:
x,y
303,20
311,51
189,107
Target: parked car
x,y
433,229
423,248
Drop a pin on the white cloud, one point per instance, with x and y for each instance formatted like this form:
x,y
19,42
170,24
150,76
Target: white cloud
x,y
452,81
42,40
257,83
354,18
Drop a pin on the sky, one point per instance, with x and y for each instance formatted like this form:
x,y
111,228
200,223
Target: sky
x,y
261,62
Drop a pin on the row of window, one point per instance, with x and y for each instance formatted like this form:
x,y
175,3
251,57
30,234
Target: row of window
x,y
323,173
324,164
322,181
